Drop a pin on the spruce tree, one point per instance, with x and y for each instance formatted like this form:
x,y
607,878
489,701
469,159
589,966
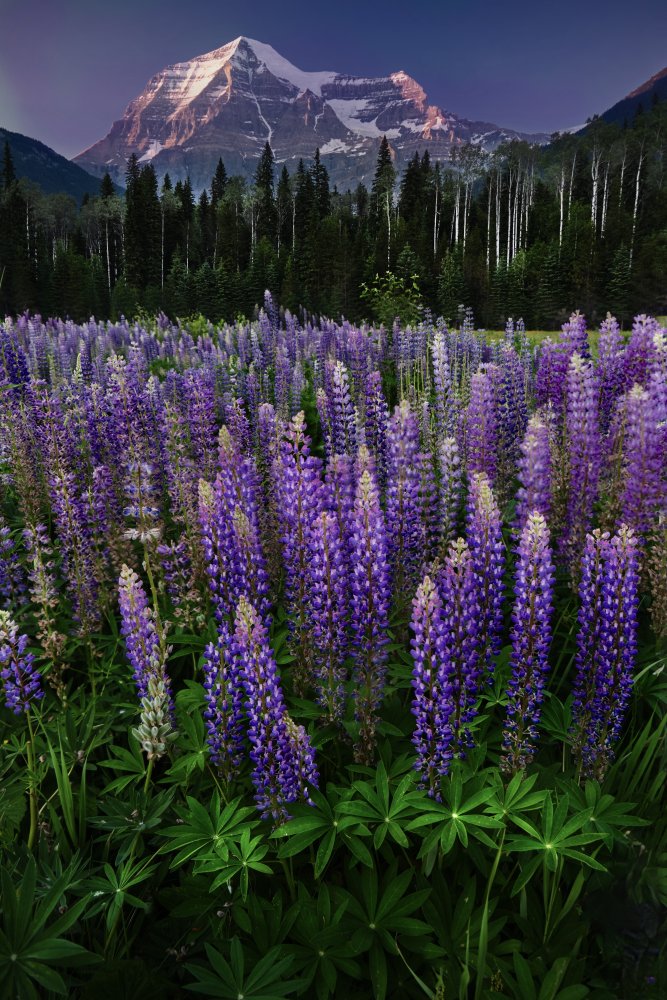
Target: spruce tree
x,y
266,203
219,183
320,176
106,187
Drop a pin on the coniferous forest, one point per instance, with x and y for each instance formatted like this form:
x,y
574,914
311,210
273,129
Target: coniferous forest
x,y
526,230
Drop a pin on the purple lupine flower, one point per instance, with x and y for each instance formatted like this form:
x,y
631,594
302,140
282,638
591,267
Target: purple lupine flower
x,y
370,602
429,512
299,499
223,685
327,610
145,651
107,513
512,411
198,388
404,528
43,590
375,427
554,363
340,480
22,684
343,413
142,508
237,428
610,368
147,654
535,473
230,533
606,646
12,578
283,758
431,705
445,407
179,580
450,489
644,461
656,571
481,423
531,638
73,530
642,354
575,334
462,668
326,421
485,541
583,452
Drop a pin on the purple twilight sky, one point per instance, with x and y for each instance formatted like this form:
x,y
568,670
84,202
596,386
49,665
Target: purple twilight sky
x,y
68,68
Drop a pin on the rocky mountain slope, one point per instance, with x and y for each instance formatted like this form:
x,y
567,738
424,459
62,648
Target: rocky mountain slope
x,y
229,102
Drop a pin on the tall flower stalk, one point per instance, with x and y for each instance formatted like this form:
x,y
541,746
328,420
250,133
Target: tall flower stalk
x,y
606,646
147,654
485,540
431,706
371,596
531,639
284,763
583,453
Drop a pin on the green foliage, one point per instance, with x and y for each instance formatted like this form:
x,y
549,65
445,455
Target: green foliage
x,y
390,297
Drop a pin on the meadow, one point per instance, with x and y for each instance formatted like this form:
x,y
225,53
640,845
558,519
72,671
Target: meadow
x,y
332,660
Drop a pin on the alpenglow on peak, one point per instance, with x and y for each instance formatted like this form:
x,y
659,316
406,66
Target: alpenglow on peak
x,y
233,100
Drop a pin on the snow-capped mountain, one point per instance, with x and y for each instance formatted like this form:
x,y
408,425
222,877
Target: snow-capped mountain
x,y
229,102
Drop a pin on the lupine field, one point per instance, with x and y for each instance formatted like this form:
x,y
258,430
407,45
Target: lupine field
x,y
333,660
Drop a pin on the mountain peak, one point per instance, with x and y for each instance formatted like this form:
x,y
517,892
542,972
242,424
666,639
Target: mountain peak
x,y
229,102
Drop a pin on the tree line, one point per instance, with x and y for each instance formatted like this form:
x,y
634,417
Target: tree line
x,y
525,230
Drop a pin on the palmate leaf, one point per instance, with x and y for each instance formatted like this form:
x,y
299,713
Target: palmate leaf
x,y
558,837
327,823
30,942
227,979
387,811
240,859
458,816
205,830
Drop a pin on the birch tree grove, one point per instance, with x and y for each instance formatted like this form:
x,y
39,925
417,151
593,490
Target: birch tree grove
x,y
519,230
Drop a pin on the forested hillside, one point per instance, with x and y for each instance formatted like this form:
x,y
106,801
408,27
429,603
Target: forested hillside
x,y
523,231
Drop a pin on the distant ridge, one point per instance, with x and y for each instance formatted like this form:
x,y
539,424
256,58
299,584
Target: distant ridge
x,y
42,165
625,110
